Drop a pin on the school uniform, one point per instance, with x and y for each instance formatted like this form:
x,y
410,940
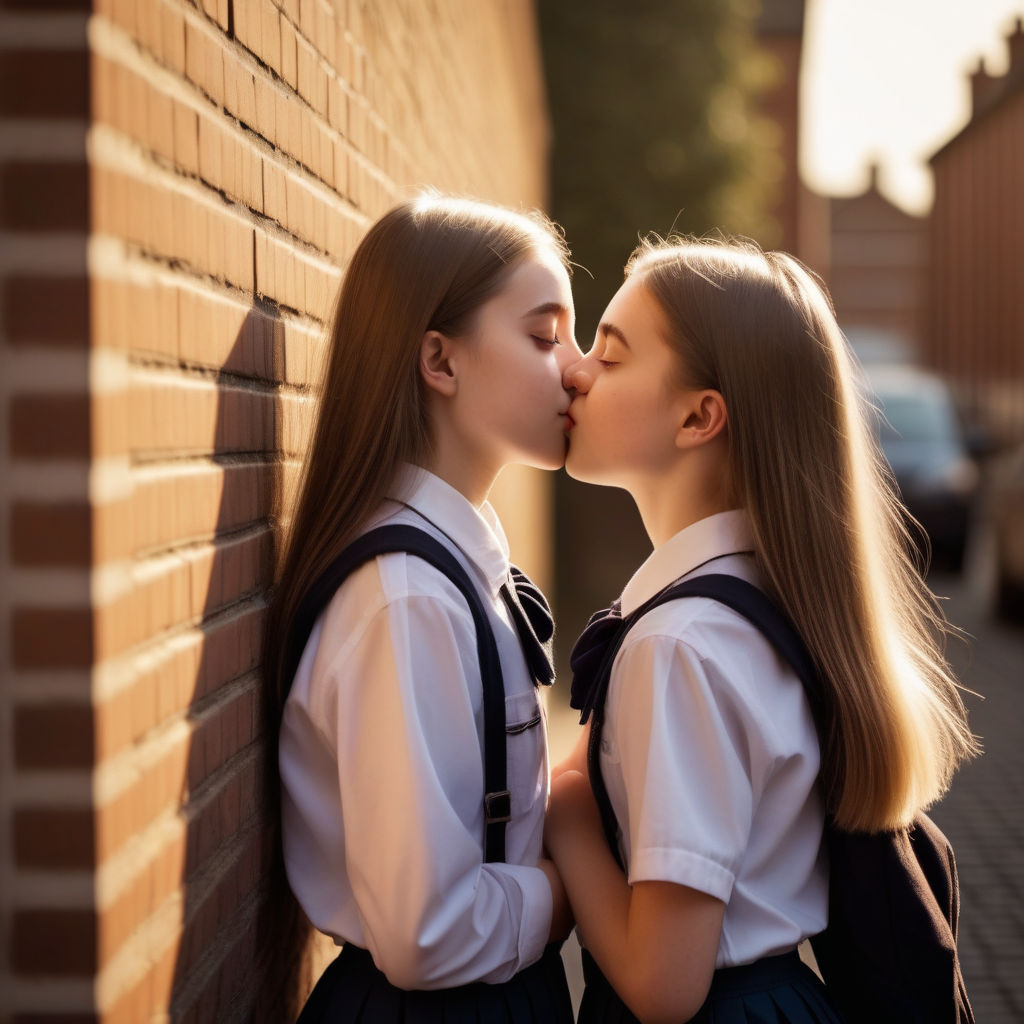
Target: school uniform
x,y
710,758
382,772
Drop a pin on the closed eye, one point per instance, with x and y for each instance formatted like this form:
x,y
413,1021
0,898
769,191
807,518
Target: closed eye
x,y
550,342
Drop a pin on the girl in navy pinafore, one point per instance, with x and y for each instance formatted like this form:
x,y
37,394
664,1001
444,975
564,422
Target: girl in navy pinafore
x,y
721,394
450,313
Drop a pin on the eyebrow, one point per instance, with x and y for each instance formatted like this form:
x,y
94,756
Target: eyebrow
x,y
607,328
546,308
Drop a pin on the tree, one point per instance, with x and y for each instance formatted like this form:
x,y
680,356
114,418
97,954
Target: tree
x,y
655,128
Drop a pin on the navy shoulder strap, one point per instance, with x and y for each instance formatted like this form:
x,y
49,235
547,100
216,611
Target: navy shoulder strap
x,y
387,540
755,606
742,597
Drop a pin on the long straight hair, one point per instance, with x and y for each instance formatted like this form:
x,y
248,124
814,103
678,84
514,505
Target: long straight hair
x,y
427,265
759,328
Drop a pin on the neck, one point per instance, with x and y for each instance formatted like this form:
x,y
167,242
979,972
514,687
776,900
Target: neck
x,y
467,475
672,501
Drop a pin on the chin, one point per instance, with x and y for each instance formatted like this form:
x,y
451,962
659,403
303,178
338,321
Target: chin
x,y
578,469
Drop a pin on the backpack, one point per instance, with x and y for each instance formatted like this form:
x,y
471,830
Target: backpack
x,y
889,951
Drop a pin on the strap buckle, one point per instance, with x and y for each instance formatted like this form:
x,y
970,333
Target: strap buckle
x,y
497,807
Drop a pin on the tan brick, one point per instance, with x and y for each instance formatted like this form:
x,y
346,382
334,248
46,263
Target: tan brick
x,y
204,60
172,36
218,11
270,19
160,122
266,109
289,54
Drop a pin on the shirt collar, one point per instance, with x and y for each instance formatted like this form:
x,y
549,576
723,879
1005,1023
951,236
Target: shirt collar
x,y
477,532
726,533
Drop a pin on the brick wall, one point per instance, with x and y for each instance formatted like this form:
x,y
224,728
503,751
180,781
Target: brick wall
x,y
181,184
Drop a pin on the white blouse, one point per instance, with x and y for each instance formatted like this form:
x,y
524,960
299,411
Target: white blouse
x,y
710,755
382,768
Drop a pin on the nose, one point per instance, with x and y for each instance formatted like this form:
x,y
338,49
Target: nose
x,y
578,376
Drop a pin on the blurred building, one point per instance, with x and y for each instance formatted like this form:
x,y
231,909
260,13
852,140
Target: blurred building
x,y
975,328
799,213
181,187
876,270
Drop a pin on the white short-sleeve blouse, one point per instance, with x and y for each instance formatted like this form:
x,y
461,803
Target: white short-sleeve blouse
x,y
710,755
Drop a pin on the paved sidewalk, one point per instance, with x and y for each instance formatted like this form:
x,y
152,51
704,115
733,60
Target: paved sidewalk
x,y
983,813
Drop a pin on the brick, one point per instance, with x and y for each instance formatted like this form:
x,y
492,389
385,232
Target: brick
x,y
218,11
172,37
186,138
270,20
148,25
35,630
204,61
337,106
53,838
50,535
211,151
266,109
245,92
160,123
311,78
55,736
45,83
50,426
53,943
326,33
47,5
50,310
249,25
289,54
44,196
307,18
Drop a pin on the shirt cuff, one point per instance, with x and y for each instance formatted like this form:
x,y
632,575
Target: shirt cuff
x,y
538,906
683,868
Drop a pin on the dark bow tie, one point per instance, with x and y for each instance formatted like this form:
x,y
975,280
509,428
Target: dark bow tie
x,y
588,655
532,617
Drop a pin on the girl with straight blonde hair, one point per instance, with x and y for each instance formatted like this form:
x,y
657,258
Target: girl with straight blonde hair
x,y
721,394
452,333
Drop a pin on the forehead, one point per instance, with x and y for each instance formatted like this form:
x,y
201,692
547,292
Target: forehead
x,y
634,304
539,278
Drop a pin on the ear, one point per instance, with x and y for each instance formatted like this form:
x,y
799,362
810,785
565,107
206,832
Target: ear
x,y
704,417
436,363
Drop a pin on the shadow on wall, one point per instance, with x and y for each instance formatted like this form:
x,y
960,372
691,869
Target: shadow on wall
x,y
225,864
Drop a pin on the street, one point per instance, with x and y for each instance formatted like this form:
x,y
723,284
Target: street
x,y
983,813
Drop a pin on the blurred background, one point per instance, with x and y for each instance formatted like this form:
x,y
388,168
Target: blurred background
x,y
182,183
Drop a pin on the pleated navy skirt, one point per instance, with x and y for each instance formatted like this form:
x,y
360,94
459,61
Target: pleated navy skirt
x,y
775,990
353,991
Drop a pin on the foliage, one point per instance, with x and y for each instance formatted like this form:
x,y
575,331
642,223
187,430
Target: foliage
x,y
654,128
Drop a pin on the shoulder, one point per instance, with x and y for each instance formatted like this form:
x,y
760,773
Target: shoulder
x,y
394,581
698,628
700,646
